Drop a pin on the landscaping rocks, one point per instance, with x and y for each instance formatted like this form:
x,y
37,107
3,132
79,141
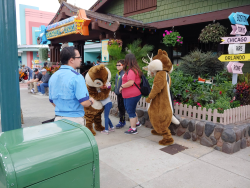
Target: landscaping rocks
x,y
148,124
228,135
191,125
146,115
180,131
243,144
140,113
236,146
220,142
217,131
217,148
200,127
194,136
214,141
205,141
187,135
227,147
184,123
238,134
142,120
209,128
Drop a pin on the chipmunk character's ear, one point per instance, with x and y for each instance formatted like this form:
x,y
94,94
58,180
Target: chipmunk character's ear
x,y
166,62
97,76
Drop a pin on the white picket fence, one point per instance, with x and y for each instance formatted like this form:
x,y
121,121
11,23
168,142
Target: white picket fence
x,y
229,116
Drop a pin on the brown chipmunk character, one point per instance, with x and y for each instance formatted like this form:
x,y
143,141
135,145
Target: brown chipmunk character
x,y
160,109
97,77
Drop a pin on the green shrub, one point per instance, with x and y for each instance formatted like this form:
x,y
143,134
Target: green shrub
x,y
43,54
198,63
212,33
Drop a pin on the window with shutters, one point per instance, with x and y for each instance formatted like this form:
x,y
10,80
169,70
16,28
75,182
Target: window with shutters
x,y
132,7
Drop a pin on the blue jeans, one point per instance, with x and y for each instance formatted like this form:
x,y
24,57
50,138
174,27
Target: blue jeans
x,y
30,75
108,123
42,86
130,105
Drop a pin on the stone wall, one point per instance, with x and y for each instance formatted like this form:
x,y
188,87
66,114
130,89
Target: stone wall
x,y
226,138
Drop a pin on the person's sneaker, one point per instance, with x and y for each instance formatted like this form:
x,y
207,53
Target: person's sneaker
x,y
137,125
112,129
120,124
32,91
131,131
41,94
38,93
105,132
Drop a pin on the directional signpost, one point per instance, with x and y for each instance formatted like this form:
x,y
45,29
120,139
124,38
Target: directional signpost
x,y
235,49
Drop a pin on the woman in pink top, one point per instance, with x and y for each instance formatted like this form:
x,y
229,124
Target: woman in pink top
x,y
130,93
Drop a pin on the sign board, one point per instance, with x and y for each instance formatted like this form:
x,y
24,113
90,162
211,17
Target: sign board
x,y
236,39
236,48
239,18
231,57
240,29
229,66
105,53
237,67
233,30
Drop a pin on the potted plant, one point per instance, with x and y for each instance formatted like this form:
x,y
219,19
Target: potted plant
x,y
173,39
114,47
212,33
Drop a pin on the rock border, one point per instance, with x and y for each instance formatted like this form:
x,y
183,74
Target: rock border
x,y
226,138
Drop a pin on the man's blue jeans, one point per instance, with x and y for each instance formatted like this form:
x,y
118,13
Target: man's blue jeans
x,y
42,86
108,123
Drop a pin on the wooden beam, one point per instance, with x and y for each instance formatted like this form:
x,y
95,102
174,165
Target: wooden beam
x,y
106,25
206,17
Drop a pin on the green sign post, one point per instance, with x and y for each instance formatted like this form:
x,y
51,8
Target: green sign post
x,y
9,82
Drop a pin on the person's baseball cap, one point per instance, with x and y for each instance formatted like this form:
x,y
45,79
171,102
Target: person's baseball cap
x,y
35,70
43,70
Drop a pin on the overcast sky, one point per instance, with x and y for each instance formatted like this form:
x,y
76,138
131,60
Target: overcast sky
x,y
49,6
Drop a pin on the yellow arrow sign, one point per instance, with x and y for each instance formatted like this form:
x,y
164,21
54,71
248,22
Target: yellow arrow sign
x,y
237,57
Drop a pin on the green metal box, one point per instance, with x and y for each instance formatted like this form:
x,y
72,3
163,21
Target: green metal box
x,y
62,154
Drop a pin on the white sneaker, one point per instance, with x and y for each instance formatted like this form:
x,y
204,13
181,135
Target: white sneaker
x,y
38,93
32,91
41,94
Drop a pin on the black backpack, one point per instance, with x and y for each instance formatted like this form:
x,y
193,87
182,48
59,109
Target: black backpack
x,y
145,87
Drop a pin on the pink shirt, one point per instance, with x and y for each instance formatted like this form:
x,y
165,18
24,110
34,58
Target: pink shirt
x,y
131,91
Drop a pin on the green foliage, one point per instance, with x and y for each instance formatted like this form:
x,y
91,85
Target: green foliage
x,y
134,48
213,33
116,51
186,90
197,63
139,52
43,54
244,78
172,38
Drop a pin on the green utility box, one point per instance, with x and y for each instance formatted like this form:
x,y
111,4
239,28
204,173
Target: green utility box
x,y
62,154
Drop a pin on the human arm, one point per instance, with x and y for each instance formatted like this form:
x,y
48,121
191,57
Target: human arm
x,y
159,84
87,103
131,76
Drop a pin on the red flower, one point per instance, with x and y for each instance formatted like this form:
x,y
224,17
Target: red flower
x,y
220,92
186,91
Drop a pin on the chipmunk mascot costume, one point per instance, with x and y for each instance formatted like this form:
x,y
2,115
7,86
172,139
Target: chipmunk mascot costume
x,y
96,77
160,109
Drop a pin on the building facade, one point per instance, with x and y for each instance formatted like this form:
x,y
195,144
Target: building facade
x,y
31,18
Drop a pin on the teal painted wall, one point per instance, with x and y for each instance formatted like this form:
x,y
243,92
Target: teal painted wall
x,y
170,9
91,56
22,21
35,34
24,58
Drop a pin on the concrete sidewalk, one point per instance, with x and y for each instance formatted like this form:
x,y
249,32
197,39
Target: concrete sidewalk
x,y
136,161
